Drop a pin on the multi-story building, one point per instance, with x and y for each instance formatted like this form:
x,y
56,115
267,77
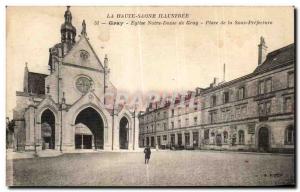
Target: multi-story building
x,y
254,112
153,122
171,123
184,120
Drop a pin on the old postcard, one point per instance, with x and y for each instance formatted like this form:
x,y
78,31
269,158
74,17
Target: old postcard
x,y
150,96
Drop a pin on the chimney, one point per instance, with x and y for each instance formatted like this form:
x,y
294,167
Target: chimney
x,y
216,81
262,51
25,81
224,68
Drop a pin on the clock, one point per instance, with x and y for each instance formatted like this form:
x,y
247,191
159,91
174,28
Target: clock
x,y
84,84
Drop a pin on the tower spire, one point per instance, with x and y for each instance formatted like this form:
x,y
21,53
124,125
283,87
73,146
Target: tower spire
x,y
83,31
68,15
68,31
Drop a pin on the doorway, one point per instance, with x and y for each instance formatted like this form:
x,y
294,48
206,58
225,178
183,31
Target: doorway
x,y
123,133
89,129
48,129
263,139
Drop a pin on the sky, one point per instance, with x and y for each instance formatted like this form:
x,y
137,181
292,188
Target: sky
x,y
149,58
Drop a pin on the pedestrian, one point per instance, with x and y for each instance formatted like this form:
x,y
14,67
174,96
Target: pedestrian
x,y
147,152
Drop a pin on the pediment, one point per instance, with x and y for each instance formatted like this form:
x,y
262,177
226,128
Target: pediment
x,y
48,102
83,54
90,98
125,112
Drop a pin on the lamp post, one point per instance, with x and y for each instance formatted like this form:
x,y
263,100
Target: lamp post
x,y
34,128
106,71
61,106
113,125
60,144
133,145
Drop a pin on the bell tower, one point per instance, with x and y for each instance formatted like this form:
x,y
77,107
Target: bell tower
x,y
68,32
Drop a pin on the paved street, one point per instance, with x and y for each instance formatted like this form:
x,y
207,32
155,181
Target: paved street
x,y
166,168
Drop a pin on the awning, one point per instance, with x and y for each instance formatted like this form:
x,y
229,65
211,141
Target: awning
x,y
46,130
82,129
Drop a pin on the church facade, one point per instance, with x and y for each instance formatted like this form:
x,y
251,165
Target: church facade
x,y
68,108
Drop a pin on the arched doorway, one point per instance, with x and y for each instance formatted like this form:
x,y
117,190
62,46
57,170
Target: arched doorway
x,y
89,130
263,139
123,133
48,129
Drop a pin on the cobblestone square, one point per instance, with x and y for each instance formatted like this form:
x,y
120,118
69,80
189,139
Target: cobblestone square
x,y
166,168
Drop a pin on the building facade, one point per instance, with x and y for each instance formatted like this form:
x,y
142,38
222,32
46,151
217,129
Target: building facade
x,y
67,109
251,113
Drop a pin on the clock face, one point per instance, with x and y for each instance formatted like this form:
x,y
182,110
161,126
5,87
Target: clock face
x,y
83,84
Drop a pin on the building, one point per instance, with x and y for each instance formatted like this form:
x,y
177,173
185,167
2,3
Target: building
x,y
68,109
171,123
252,113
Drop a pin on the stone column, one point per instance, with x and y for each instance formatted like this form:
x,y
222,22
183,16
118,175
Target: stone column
x,y
199,138
82,141
93,142
136,133
30,128
66,131
183,137
60,128
191,138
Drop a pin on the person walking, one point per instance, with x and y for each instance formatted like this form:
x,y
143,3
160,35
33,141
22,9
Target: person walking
x,y
147,152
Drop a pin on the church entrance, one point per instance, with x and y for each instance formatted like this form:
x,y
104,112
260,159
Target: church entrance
x,y
123,133
263,139
48,130
89,130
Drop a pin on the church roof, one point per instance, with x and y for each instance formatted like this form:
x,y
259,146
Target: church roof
x,y
278,58
275,59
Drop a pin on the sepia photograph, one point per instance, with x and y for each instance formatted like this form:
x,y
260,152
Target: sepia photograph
x,y
150,96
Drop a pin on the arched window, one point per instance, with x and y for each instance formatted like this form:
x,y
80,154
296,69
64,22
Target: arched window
x,y
289,135
225,136
241,137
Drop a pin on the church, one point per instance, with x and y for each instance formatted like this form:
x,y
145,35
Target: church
x,y
68,109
